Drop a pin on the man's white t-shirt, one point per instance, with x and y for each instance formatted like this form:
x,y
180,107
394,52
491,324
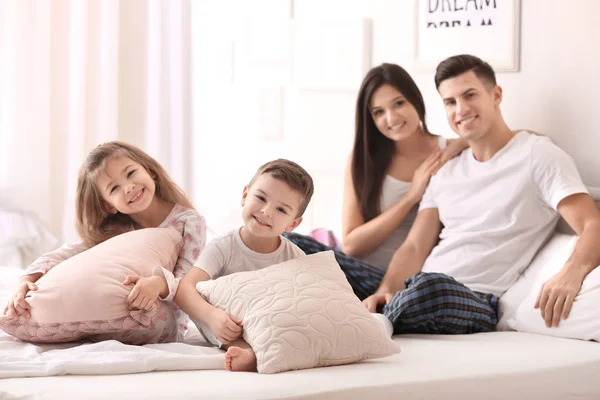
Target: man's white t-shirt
x,y
497,214
228,254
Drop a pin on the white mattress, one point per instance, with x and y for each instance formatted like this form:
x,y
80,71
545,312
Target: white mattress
x,y
500,365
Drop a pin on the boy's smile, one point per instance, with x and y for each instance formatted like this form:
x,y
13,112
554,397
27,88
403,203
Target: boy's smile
x,y
270,207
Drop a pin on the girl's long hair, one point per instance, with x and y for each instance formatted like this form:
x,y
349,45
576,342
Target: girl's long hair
x,y
372,152
94,225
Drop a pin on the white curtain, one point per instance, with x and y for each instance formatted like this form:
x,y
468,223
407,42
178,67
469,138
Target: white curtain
x,y
76,73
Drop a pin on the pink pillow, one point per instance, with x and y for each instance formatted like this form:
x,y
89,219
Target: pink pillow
x,y
85,295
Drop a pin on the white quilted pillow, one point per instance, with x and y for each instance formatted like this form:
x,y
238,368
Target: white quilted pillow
x,y
300,314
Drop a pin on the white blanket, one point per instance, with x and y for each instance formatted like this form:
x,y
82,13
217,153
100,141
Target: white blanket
x,y
20,359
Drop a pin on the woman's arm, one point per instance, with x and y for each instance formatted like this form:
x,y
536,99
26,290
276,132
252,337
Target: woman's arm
x,y
17,305
456,146
453,148
359,238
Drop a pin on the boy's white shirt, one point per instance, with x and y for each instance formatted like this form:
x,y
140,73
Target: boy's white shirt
x,y
227,254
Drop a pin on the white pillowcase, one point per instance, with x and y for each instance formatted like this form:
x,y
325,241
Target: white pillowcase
x,y
516,305
300,314
553,255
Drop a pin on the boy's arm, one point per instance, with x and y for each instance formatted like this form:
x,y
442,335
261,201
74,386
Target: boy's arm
x,y
188,298
212,260
226,327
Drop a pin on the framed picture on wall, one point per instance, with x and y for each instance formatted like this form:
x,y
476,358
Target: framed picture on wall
x,y
488,29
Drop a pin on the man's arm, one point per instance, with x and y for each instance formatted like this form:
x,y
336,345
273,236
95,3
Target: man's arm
x,y
557,294
409,258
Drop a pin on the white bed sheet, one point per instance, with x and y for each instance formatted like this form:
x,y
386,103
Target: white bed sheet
x,y
499,365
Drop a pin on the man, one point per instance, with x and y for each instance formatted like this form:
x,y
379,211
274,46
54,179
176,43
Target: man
x,y
491,209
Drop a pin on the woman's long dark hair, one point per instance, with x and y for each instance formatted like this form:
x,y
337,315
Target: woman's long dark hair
x,y
373,152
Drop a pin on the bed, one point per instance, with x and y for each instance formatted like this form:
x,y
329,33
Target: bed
x,y
498,365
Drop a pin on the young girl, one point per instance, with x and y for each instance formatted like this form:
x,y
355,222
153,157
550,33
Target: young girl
x,y
120,188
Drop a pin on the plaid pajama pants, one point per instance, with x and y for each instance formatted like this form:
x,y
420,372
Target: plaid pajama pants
x,y
431,303
363,278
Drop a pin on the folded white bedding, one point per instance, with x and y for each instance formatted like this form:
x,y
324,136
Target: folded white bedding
x,y
19,359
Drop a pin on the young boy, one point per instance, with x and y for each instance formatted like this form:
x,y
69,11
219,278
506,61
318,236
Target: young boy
x,y
272,203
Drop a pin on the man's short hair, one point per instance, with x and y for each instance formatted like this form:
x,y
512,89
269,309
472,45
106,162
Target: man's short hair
x,y
458,65
292,174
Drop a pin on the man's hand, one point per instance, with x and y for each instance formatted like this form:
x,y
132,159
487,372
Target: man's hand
x,y
17,305
145,292
557,295
225,326
375,300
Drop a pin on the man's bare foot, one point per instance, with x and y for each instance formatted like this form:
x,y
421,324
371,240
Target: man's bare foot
x,y
238,359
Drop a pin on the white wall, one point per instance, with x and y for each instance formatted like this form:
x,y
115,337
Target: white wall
x,y
74,74
247,55
555,91
23,180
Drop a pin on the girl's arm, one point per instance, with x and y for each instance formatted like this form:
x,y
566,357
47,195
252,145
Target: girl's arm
x,y
45,263
16,304
194,240
360,239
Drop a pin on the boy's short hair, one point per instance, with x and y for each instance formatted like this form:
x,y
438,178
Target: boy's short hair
x,y
292,174
458,65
